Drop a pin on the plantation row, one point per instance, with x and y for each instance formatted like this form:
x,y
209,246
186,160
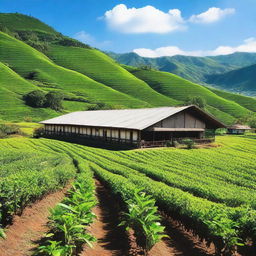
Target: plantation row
x,y
25,177
207,189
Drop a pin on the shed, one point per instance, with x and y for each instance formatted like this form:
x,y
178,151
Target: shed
x,y
140,127
238,129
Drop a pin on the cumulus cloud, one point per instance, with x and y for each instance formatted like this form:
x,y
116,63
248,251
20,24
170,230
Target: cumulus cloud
x,y
248,45
89,39
147,19
212,15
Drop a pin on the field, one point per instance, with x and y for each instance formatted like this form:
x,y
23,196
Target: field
x,y
209,191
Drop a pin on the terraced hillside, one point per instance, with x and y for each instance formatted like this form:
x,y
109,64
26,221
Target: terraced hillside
x,y
41,58
28,62
179,88
245,101
12,87
92,63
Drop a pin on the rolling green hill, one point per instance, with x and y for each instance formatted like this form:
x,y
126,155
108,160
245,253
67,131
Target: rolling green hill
x,y
12,107
20,22
196,69
103,69
191,68
179,88
243,79
35,56
245,101
28,62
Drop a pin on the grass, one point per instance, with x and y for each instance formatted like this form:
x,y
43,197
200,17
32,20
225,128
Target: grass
x,y
105,70
179,89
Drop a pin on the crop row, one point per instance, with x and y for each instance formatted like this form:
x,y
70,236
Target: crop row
x,y
70,219
29,177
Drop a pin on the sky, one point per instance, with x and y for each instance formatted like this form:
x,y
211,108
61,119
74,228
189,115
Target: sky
x,y
151,28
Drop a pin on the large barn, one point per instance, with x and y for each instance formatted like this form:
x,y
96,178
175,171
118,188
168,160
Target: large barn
x,y
139,127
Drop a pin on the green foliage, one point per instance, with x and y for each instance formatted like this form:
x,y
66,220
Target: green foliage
x,y
214,199
53,100
26,176
70,218
197,101
241,80
143,218
189,143
38,132
179,89
35,99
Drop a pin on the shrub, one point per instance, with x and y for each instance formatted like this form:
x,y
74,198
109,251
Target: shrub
x,y
54,100
168,143
175,144
35,99
189,143
38,132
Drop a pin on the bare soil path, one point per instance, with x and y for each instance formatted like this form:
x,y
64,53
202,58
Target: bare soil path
x,y
30,226
112,239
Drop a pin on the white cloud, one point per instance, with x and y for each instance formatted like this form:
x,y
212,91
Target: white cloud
x,y
249,45
147,19
89,39
212,15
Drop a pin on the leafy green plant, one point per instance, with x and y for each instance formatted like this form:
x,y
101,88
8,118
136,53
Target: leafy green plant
x,y
143,218
189,143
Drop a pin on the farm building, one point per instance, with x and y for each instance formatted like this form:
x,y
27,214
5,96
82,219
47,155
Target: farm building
x,y
238,129
140,127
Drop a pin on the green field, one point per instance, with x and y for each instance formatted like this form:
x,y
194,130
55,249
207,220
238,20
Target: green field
x,y
211,190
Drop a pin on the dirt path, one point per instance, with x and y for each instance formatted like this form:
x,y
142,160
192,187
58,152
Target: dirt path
x,y
29,227
112,240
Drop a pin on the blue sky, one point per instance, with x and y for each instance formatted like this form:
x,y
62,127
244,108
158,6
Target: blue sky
x,y
192,27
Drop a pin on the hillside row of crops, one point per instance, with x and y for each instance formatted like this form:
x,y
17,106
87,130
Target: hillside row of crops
x,y
183,182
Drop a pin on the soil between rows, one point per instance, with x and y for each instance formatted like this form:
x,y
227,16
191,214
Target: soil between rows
x,y
30,226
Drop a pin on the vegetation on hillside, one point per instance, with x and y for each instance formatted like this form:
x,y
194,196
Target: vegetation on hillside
x,y
87,78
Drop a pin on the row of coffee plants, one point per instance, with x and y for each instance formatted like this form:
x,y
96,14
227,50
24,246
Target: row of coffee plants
x,y
70,219
140,213
211,188
226,226
27,176
230,166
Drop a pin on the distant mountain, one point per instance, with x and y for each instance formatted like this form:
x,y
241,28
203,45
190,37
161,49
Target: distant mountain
x,y
242,80
33,56
195,69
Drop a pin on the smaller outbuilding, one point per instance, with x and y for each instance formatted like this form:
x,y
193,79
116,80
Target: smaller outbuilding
x,y
238,129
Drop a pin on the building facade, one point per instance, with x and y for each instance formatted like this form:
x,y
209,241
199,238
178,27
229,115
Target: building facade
x,y
139,127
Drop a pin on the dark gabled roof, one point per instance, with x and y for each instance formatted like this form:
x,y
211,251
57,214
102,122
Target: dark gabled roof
x,y
137,119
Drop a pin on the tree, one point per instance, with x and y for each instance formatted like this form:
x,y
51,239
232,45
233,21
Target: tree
x,y
196,100
54,100
35,99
